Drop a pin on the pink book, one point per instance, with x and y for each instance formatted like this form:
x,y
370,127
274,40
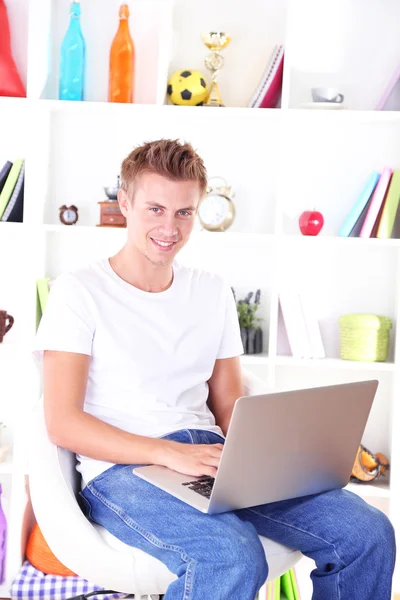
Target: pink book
x,y
389,89
376,202
271,92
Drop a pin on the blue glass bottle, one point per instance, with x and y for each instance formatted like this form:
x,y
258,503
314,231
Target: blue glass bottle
x,y
73,57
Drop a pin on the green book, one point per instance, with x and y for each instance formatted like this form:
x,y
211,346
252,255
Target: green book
x,y
389,211
9,185
274,589
43,288
289,585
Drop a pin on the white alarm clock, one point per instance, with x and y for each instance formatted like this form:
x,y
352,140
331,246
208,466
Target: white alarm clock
x,y
216,210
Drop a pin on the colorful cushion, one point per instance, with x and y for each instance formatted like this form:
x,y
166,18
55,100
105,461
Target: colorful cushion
x,y
41,557
31,584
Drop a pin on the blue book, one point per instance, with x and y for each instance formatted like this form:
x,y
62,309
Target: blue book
x,y
4,173
357,209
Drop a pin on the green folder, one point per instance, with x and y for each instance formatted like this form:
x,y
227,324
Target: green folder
x,y
289,585
389,211
9,185
43,288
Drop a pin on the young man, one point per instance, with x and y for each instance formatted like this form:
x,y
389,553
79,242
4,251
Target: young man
x,y
141,366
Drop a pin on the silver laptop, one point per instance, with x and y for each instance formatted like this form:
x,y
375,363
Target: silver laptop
x,y
279,446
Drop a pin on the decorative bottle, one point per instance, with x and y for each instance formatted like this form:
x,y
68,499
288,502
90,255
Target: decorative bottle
x,y
122,59
3,540
73,58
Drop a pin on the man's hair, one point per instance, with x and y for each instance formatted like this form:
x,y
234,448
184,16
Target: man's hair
x,y
172,159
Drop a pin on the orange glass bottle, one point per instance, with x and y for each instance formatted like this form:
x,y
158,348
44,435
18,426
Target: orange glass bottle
x,y
122,61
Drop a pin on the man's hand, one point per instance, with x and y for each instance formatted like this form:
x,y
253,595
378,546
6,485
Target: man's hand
x,y
191,459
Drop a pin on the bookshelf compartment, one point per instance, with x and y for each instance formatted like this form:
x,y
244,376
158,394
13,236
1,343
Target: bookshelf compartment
x,y
247,54
150,25
339,282
166,38
355,48
225,144
329,162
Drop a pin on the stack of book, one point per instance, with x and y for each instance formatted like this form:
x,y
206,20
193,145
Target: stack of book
x,y
12,177
374,213
302,328
269,90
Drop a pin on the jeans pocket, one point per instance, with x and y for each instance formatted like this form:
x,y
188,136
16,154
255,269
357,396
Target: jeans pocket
x,y
85,506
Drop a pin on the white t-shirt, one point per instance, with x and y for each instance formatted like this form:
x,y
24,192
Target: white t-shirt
x,y
151,353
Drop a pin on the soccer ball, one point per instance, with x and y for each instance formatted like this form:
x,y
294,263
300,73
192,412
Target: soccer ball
x,y
187,88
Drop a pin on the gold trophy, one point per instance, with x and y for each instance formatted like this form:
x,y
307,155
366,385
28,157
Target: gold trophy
x,y
215,41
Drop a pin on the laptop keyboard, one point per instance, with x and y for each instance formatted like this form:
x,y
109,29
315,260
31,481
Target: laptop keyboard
x,y
202,486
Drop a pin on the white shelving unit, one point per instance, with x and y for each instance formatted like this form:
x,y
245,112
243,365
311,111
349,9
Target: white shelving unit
x,y
279,162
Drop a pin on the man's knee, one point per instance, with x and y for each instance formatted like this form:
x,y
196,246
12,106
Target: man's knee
x,y
378,532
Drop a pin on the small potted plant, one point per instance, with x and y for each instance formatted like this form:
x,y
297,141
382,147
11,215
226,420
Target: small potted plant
x,y
250,329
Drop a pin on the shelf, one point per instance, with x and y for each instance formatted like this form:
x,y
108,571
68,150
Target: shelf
x,y
170,110
13,227
359,115
254,359
377,489
340,241
333,363
226,112
72,229
352,115
242,236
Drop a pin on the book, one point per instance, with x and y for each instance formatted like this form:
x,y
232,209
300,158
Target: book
x,y
295,324
386,221
289,585
274,589
376,203
355,232
312,326
271,590
390,99
9,185
360,204
15,208
43,289
4,173
43,286
269,89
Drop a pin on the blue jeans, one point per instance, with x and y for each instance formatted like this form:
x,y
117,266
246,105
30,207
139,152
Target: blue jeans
x,y
220,557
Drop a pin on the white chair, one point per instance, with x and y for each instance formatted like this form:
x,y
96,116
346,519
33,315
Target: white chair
x,y
88,549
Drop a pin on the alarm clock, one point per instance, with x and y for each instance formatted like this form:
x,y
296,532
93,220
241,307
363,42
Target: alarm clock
x,y
216,210
68,214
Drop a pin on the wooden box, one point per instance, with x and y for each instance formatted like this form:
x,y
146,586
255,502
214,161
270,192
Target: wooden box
x,y
111,215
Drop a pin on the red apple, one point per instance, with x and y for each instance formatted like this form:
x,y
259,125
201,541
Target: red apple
x,y
311,222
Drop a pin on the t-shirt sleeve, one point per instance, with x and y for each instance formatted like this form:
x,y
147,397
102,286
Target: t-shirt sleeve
x,y
231,342
68,323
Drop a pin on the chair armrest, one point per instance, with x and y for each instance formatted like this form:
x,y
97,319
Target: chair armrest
x,y
70,536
